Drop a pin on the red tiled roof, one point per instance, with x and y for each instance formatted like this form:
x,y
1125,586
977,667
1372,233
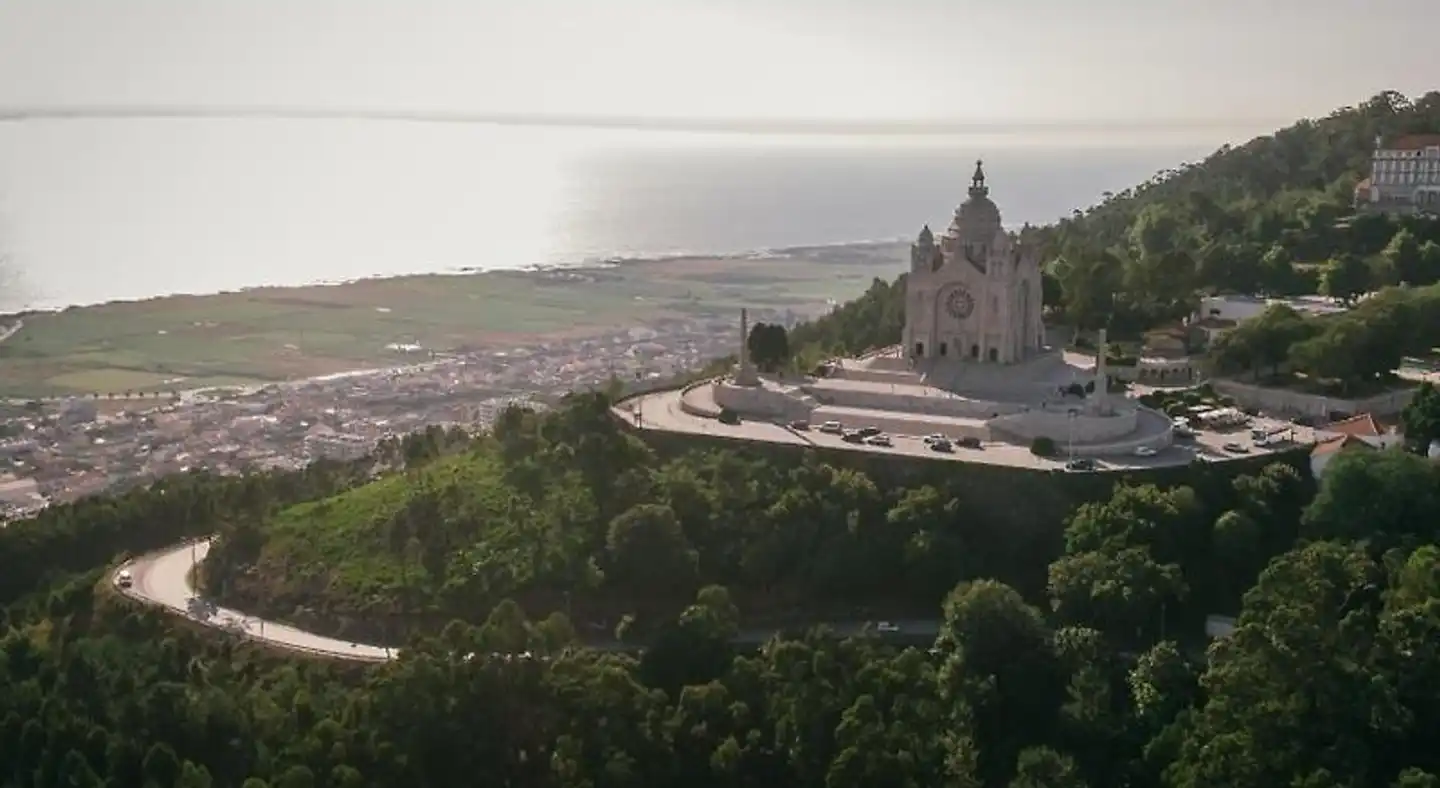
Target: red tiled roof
x,y
1414,142
1336,444
1361,426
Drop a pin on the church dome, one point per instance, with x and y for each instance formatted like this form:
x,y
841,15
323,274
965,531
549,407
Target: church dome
x,y
977,219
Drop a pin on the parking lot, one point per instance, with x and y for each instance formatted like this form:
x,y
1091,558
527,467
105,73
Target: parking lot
x,y
663,412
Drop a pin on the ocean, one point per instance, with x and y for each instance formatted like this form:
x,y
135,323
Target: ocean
x,y
101,210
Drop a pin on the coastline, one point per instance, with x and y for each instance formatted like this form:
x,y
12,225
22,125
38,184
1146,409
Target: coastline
x,y
274,334
595,263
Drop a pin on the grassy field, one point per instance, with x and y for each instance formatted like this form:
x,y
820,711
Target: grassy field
x,y
274,334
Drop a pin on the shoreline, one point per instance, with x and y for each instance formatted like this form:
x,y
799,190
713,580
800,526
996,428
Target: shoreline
x,y
273,334
592,264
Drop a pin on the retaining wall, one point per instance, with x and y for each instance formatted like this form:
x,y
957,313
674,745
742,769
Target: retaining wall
x,y
1060,427
1297,403
898,424
764,401
694,405
900,400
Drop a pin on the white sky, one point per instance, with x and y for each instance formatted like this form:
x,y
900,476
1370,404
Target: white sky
x,y
967,60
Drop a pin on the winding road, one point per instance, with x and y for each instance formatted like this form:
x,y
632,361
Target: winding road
x,y
162,579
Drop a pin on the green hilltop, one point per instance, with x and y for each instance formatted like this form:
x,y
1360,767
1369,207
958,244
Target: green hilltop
x,y
522,515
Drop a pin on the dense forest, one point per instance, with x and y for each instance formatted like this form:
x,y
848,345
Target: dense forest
x,y
1097,677
1070,648
568,512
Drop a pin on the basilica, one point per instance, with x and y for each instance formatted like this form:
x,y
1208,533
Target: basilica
x,y
974,293
974,361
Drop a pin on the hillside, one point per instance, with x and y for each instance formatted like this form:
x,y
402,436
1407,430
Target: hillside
x,y
565,511
1069,650
1266,216
568,512
1095,681
1248,218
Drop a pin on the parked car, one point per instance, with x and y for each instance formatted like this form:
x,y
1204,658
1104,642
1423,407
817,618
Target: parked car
x,y
934,437
832,428
1145,451
800,426
942,445
124,579
866,432
1236,448
853,436
969,442
887,626
1080,464
879,440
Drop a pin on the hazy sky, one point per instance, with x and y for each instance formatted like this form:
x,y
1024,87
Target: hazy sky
x,y
993,60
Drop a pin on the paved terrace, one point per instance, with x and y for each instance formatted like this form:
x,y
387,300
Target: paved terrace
x,y
662,411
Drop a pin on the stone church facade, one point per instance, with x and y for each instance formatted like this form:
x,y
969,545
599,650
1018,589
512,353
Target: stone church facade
x,y
973,294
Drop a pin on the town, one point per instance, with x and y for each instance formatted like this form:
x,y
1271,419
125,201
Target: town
x,y
58,451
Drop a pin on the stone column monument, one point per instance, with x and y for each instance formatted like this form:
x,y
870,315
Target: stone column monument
x,y
1101,397
745,374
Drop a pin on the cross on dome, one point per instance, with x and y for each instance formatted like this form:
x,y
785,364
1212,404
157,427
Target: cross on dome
x,y
977,183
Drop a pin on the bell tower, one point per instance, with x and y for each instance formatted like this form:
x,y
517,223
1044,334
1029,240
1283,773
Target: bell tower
x,y
922,252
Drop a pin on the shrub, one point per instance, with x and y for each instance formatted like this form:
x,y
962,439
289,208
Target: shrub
x,y
1042,447
728,416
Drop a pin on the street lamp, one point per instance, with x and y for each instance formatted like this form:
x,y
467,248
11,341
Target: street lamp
x,y
1070,446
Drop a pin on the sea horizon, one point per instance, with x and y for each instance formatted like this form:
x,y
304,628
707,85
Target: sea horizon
x,y
126,209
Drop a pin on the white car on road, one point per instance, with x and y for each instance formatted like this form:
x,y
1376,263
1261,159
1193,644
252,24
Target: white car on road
x,y
124,579
1145,451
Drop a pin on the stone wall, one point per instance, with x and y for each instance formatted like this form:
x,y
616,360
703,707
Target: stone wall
x,y
1057,425
1153,431
906,377
1297,403
835,392
896,424
764,401
692,403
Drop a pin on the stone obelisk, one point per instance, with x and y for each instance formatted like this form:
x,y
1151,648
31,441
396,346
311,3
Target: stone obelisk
x,y
1102,380
744,372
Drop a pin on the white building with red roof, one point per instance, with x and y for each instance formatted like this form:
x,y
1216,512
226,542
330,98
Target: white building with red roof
x,y
1357,433
1404,176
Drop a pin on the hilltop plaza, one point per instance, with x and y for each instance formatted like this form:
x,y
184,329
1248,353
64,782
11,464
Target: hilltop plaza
x,y
974,364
